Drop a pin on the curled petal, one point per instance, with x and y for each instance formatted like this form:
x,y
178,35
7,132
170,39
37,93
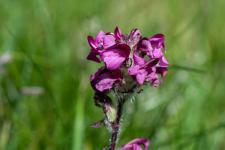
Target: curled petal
x,y
163,62
157,40
157,37
135,34
117,33
108,41
162,66
136,144
146,47
115,56
105,83
92,42
100,36
93,56
104,79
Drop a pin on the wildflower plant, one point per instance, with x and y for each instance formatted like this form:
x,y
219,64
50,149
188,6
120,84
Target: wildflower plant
x,y
130,61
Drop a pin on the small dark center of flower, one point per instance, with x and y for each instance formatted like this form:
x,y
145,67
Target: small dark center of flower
x,y
100,47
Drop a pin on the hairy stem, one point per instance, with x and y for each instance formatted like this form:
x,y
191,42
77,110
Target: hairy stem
x,y
116,125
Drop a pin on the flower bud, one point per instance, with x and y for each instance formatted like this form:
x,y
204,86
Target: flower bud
x,y
110,113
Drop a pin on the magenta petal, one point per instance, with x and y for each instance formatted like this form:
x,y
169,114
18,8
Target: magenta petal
x,y
108,41
105,83
113,59
157,53
100,36
94,77
115,56
152,76
157,40
141,77
104,79
146,47
135,34
92,56
136,144
139,73
133,70
162,71
163,62
155,83
117,33
138,60
158,36
92,42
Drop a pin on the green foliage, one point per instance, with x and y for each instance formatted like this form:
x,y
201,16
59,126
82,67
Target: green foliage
x,y
45,96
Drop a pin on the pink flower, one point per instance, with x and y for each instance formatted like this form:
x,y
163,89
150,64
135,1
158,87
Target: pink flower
x,y
102,42
127,55
137,144
104,79
153,46
151,62
116,55
144,70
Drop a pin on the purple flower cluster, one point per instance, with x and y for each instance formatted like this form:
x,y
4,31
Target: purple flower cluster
x,y
127,56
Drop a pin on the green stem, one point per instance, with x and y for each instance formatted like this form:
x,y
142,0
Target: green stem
x,y
116,125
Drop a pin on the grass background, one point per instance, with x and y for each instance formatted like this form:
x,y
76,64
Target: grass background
x,y
47,42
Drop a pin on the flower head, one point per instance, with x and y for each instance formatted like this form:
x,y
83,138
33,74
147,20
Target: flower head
x,y
101,42
127,56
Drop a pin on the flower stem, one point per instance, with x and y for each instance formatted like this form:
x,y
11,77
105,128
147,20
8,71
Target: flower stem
x,y
116,125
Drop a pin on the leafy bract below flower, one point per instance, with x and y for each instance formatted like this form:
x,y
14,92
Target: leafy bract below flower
x,y
136,144
127,56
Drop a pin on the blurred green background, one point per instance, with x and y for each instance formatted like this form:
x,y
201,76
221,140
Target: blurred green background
x,y
45,96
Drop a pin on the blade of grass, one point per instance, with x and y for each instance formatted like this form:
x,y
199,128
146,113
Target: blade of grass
x,y
185,68
78,128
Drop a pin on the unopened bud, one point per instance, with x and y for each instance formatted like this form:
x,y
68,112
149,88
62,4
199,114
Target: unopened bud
x,y
111,113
